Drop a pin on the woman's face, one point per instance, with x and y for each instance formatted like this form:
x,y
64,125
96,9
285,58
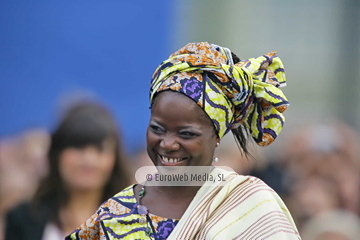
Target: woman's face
x,y
180,133
87,168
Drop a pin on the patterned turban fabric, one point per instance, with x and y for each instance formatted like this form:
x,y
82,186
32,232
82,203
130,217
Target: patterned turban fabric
x,y
231,94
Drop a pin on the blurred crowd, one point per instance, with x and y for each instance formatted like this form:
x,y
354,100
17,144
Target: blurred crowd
x,y
22,165
316,172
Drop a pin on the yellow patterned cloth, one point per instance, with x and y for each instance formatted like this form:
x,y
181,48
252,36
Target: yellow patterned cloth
x,y
231,94
118,218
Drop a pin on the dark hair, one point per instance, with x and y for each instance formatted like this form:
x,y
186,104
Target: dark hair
x,y
86,123
241,134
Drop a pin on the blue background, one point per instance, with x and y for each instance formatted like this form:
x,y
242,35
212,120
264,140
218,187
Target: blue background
x,y
51,51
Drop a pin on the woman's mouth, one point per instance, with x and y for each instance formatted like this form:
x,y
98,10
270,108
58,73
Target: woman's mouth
x,y
172,159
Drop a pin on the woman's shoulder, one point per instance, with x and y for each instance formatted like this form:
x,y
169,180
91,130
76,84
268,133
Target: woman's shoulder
x,y
240,181
22,208
18,214
116,208
252,199
255,181
25,210
121,203
23,220
251,183
246,186
126,193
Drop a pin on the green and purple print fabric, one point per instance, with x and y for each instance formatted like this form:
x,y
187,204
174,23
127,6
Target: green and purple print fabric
x,y
231,94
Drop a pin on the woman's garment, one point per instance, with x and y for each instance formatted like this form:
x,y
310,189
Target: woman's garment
x,y
240,207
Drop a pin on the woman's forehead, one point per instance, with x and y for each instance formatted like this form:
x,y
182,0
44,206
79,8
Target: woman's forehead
x,y
170,95
178,105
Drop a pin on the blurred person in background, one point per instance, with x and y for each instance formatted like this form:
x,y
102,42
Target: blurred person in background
x,y
320,171
86,167
22,166
312,197
332,225
329,151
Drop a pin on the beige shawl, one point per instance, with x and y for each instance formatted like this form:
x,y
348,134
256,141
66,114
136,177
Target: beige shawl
x,y
241,207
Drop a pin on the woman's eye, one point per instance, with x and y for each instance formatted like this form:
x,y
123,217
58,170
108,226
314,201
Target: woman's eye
x,y
187,134
156,129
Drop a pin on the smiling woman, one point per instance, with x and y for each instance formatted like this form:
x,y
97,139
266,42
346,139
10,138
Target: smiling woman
x,y
86,167
199,94
177,130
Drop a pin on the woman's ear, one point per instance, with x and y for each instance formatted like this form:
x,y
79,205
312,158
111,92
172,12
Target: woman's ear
x,y
217,141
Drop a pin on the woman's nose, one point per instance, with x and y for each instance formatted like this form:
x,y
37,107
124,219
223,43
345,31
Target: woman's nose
x,y
90,154
169,143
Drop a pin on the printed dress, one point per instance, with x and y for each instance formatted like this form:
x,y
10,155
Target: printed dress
x,y
118,218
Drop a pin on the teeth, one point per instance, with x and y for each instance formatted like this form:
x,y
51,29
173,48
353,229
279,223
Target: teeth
x,y
171,160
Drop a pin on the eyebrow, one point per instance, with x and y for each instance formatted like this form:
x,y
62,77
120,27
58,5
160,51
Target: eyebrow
x,y
179,127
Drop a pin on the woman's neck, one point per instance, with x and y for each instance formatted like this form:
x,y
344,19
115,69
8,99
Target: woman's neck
x,y
166,201
182,191
177,191
81,205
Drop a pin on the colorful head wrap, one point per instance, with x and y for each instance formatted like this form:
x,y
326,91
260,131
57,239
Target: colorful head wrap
x,y
231,94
